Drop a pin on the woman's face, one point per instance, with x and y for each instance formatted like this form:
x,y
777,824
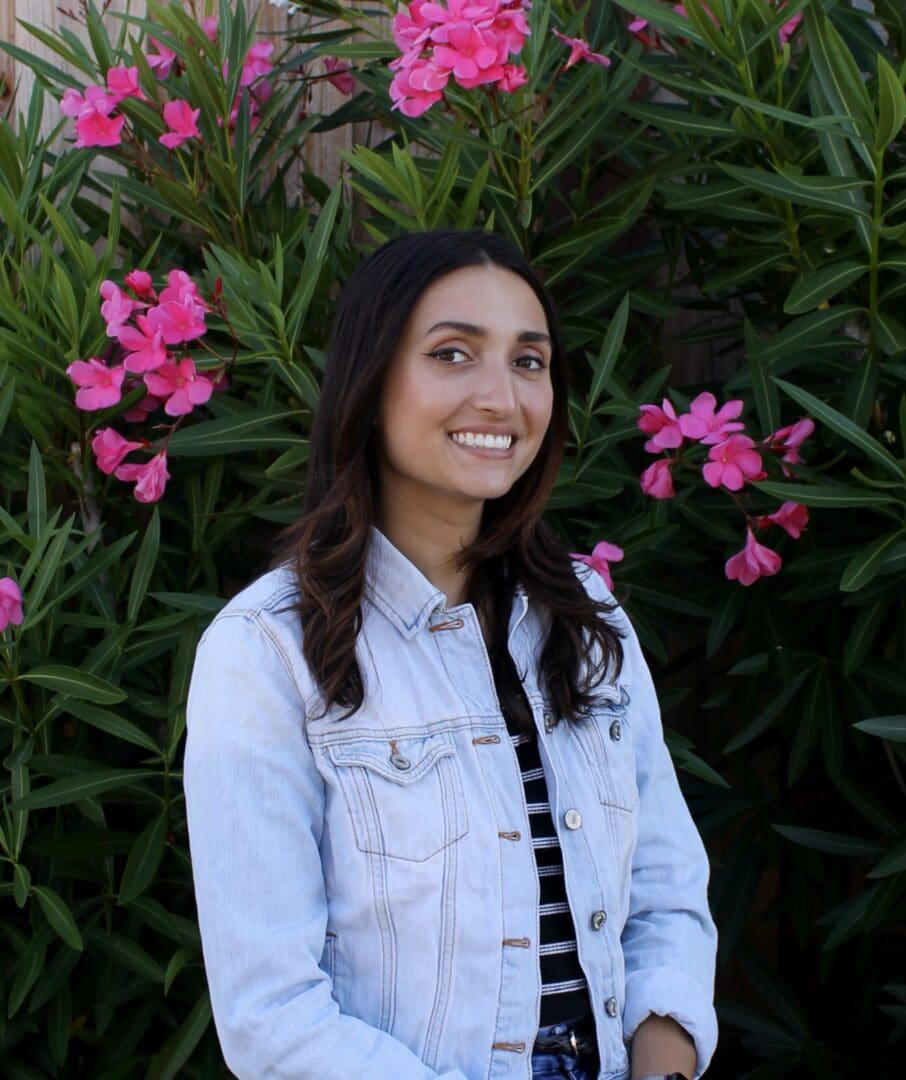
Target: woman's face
x,y
468,395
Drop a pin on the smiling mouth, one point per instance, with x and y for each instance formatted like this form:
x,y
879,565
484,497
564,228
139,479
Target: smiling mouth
x,y
485,442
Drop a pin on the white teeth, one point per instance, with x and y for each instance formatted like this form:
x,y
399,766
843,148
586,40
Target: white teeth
x,y
489,442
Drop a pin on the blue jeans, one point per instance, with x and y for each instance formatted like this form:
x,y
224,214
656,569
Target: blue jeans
x,y
547,1066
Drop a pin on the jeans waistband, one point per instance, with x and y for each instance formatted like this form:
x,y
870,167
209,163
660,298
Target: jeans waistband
x,y
576,1037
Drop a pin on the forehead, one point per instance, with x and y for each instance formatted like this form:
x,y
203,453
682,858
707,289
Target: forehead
x,y
490,297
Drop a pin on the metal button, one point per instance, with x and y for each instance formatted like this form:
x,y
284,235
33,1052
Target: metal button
x,y
598,920
399,762
573,819
616,731
548,722
611,1006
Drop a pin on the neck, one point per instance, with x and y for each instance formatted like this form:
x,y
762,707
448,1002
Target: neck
x,y
432,541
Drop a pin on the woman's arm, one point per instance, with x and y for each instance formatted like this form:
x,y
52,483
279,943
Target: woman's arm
x,y
660,1046
255,809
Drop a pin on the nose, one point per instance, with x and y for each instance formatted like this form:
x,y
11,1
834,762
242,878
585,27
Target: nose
x,y
495,392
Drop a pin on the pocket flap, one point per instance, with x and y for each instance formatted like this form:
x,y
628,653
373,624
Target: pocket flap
x,y
401,761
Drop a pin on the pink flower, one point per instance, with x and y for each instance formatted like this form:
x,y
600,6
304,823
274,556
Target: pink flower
x,y
657,479
708,427
110,448
117,307
789,27
603,554
180,287
579,50
99,386
209,25
122,82
339,75
514,76
180,385
142,409
789,439
10,603
791,516
162,61
177,322
72,102
470,57
662,424
95,128
256,62
417,88
753,562
145,345
151,478
181,119
139,281
732,463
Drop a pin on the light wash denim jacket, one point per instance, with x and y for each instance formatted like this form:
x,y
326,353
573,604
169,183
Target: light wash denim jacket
x,y
366,887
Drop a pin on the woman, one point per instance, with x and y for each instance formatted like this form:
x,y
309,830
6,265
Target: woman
x,y
434,827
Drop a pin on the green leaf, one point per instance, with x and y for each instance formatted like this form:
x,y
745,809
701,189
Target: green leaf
x,y
315,257
58,915
144,859
110,724
815,712
144,566
891,105
75,683
73,788
178,961
824,414
812,191
27,971
127,954
866,563
832,843
610,350
810,291
894,862
890,332
233,435
892,728
178,1049
862,635
724,618
37,493
826,496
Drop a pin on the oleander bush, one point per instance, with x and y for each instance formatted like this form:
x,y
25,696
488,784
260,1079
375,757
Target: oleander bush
x,y
729,175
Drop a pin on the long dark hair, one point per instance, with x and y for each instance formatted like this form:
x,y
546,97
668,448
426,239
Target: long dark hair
x,y
328,546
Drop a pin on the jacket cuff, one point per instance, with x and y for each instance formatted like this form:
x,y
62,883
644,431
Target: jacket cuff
x,y
666,992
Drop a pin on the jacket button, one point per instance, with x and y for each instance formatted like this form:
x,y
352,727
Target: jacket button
x,y
611,1006
616,731
573,819
598,920
399,762
548,722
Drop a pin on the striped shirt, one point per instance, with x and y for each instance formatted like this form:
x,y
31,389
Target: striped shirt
x,y
564,992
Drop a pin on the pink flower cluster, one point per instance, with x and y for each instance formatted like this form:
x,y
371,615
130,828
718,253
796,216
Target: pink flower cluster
x,y
468,40
733,460
10,603
98,124
147,327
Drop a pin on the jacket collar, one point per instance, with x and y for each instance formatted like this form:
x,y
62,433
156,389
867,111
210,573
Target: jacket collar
x,y
402,592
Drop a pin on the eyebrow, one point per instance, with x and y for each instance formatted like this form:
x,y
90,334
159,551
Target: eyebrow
x,y
525,336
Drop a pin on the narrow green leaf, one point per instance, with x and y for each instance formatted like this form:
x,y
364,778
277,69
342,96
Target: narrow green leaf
x,y
610,350
866,563
127,954
812,191
724,618
233,435
21,884
832,843
73,788
178,961
144,566
862,635
75,683
894,862
827,496
57,912
315,257
824,414
110,724
820,286
891,104
892,728
27,971
37,493
890,332
816,710
177,1050
144,859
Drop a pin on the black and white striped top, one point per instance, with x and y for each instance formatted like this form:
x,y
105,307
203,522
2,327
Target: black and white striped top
x,y
564,992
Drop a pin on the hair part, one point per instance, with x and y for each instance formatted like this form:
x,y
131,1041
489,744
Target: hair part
x,y
328,546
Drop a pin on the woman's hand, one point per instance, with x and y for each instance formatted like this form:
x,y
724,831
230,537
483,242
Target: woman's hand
x,y
661,1046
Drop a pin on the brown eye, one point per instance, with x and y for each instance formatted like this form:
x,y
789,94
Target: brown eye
x,y
449,356
530,362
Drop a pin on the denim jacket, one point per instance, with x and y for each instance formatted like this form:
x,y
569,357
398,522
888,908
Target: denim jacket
x,y
366,888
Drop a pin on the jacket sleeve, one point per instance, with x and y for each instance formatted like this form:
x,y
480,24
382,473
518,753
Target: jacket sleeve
x,y
255,810
669,940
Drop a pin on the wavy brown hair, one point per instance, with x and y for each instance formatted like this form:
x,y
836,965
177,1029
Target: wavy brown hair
x,y
328,546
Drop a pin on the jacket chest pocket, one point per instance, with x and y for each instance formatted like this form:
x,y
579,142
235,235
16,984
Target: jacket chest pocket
x,y
404,796
606,739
